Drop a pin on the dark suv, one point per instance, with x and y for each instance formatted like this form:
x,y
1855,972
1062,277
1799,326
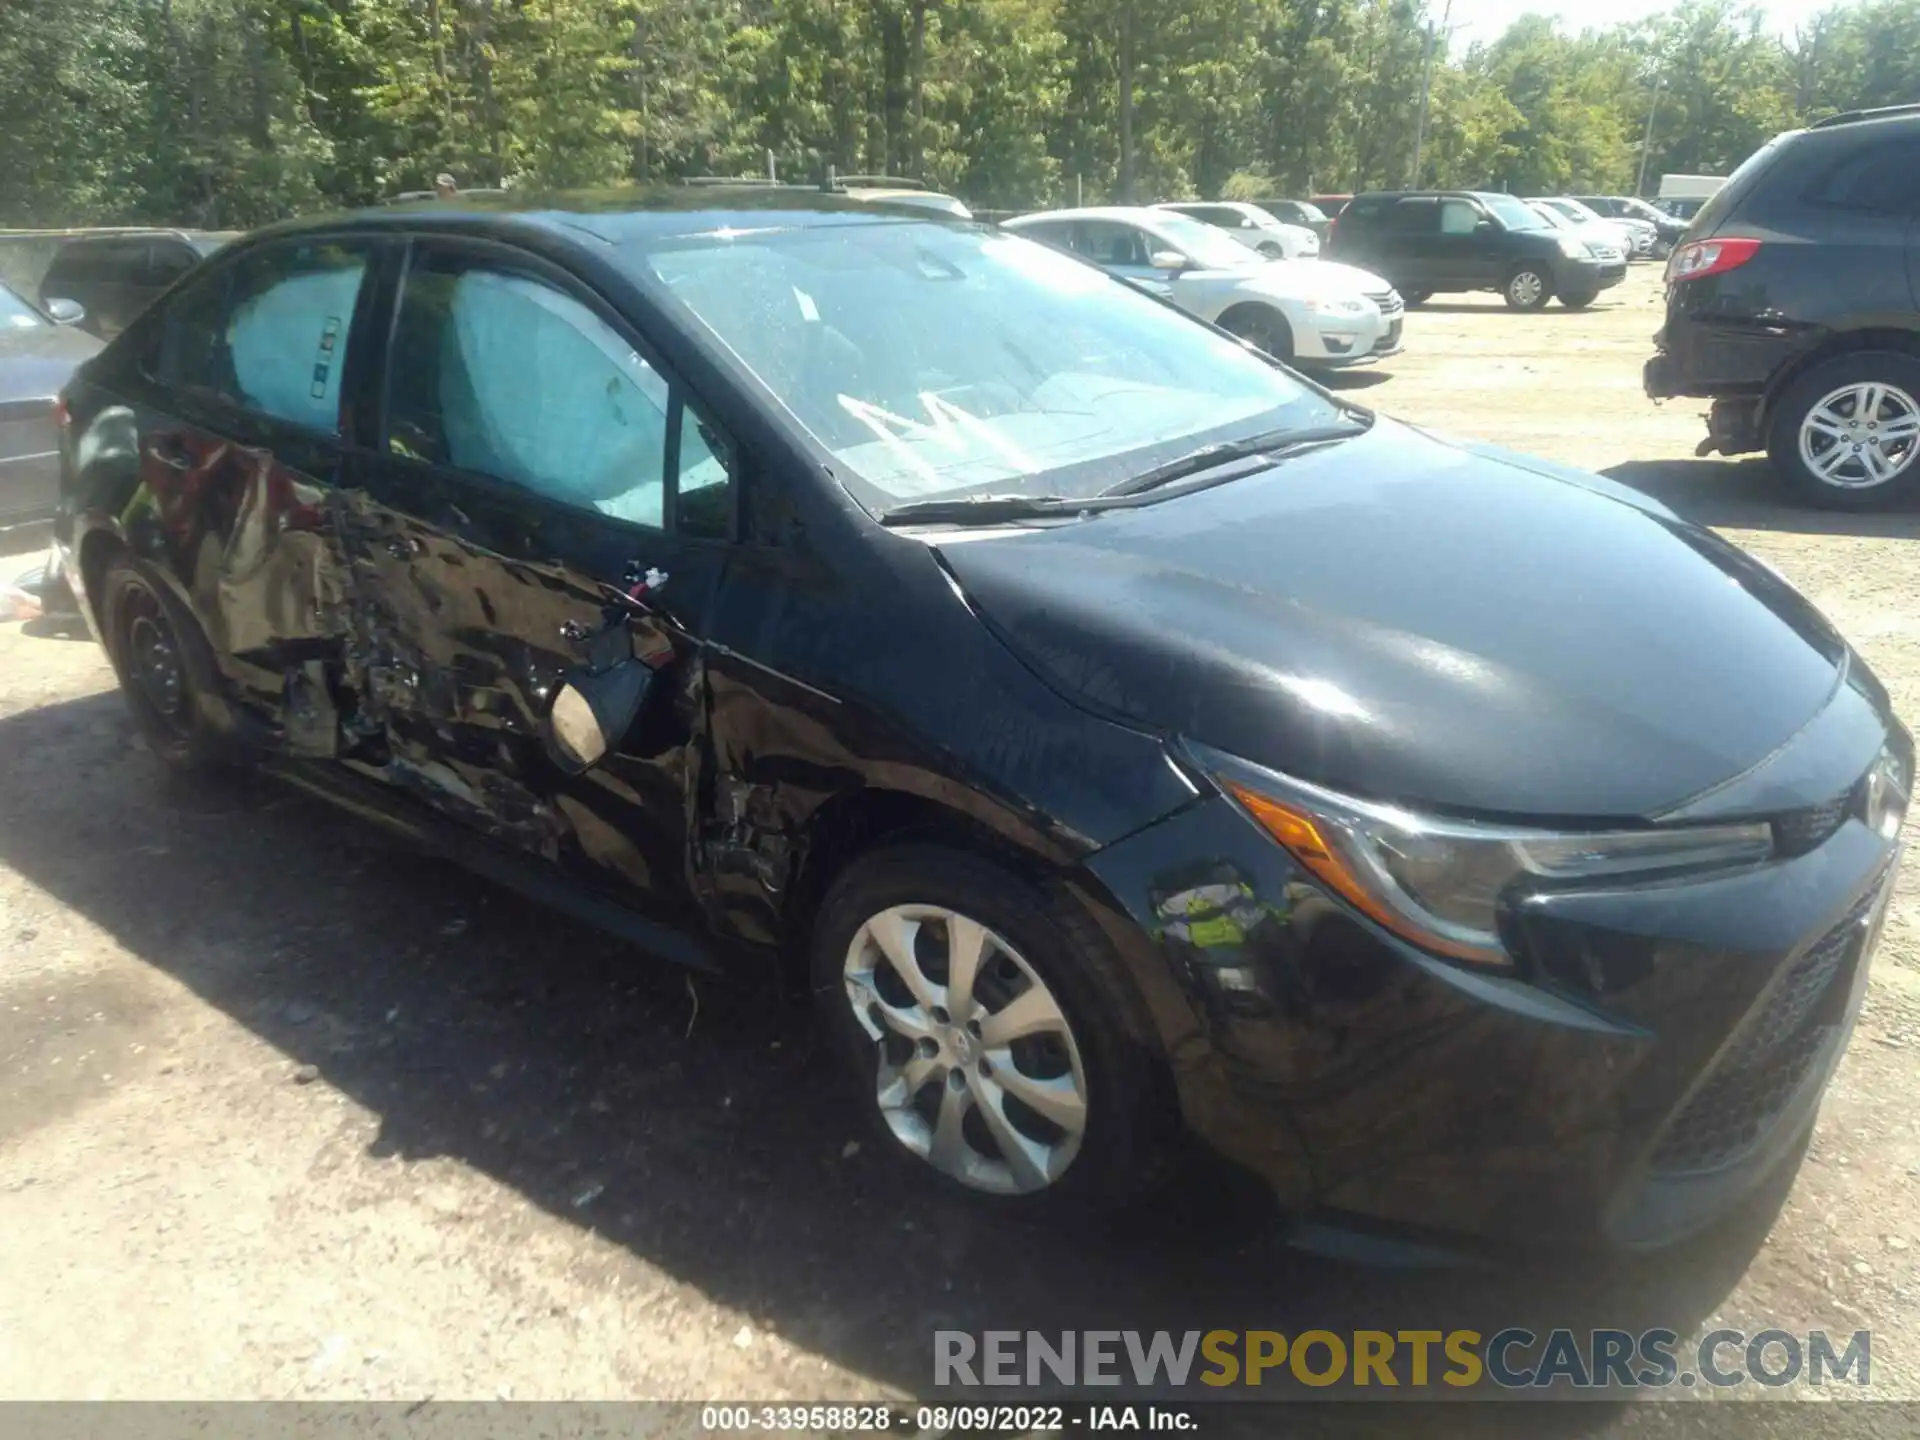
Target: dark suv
x,y
1427,242
113,276
1792,306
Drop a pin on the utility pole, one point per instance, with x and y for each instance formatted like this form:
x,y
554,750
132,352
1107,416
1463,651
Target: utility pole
x,y
1426,90
1646,140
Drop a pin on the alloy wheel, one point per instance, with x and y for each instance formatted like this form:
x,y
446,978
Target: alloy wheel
x,y
1266,333
1861,435
977,1070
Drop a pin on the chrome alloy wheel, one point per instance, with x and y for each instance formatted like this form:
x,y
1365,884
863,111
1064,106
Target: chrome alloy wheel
x,y
978,1073
1527,289
1861,435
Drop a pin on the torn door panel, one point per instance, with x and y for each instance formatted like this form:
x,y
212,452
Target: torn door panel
x,y
439,702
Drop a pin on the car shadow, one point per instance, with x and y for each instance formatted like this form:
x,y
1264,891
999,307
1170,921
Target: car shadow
x,y
1350,380
699,1125
1744,494
1493,305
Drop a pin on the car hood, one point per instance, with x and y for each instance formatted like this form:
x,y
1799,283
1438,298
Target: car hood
x,y
36,360
1299,280
1407,618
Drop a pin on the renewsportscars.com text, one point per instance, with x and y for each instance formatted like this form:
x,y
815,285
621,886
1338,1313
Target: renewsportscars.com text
x,y
1513,1359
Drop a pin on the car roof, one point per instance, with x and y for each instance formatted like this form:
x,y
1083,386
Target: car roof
x,y
148,232
1131,214
618,215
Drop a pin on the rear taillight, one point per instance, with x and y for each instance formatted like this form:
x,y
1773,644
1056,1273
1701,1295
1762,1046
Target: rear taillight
x,y
1700,258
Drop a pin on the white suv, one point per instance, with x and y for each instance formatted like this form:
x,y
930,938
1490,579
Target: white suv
x,y
1315,314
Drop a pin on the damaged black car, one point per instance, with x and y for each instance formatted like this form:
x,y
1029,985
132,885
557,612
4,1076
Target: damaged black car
x,y
1133,744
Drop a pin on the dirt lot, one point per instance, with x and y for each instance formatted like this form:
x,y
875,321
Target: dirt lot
x,y
286,1112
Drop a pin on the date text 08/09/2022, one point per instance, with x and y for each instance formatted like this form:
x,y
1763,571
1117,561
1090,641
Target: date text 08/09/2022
x,y
933,1420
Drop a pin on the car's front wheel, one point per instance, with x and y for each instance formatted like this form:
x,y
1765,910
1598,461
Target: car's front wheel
x,y
1261,327
1579,299
1528,288
978,1017
1846,435
1416,298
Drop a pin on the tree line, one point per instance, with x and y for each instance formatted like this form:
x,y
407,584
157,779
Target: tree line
x,y
235,112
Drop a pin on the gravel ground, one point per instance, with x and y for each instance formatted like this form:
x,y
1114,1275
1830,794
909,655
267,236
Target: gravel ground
x,y
288,1112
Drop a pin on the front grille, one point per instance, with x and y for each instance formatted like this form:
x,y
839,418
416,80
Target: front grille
x,y
1389,302
1798,831
1763,1069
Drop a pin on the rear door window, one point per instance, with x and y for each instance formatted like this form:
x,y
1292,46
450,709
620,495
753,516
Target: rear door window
x,y
268,334
1414,217
1878,178
167,261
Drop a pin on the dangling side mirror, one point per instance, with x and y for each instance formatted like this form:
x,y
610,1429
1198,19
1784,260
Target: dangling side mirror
x,y
66,312
592,713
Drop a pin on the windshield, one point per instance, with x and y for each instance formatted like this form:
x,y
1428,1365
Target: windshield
x,y
1206,245
17,314
1642,210
1574,210
1512,213
932,361
1552,216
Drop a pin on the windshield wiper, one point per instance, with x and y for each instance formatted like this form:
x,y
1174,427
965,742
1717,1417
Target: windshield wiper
x,y
1209,457
982,509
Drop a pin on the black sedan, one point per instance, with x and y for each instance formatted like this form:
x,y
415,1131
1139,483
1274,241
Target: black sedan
x,y
1129,740
38,351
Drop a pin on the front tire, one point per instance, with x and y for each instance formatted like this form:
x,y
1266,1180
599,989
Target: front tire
x,y
1414,299
1846,435
1579,299
979,1019
1263,328
164,664
1527,288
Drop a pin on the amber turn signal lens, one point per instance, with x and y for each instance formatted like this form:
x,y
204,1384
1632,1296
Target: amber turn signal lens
x,y
1300,835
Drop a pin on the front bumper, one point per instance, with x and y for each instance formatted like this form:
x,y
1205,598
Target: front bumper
x,y
1655,1055
1342,344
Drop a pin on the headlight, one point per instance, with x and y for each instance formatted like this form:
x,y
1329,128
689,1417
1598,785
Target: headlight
x,y
1442,883
1336,307
1573,248
1884,800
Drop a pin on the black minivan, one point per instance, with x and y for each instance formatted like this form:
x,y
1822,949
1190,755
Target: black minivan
x,y
115,275
1131,742
1433,242
1794,305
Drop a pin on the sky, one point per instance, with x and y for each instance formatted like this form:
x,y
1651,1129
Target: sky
x,y
1484,19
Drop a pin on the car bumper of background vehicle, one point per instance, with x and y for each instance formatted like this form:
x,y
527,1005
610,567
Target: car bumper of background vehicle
x,y
1594,1098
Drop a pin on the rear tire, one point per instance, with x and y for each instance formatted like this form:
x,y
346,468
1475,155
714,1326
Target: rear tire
x,y
1527,288
1262,327
950,1094
165,665
1846,435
